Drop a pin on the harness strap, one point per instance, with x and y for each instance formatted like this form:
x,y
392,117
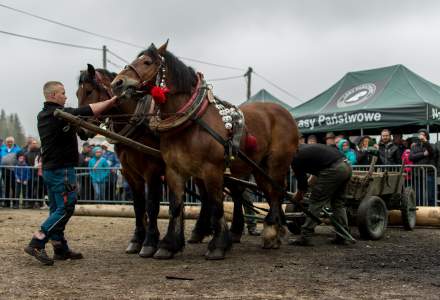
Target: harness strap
x,y
241,155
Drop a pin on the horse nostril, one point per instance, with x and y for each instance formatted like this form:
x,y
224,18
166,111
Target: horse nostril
x,y
118,83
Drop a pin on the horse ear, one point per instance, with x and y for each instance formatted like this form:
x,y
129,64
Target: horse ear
x,y
91,70
162,49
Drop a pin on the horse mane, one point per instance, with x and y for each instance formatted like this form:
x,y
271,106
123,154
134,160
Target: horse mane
x,y
84,76
183,78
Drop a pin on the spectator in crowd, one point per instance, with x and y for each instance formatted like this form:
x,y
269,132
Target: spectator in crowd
x,y
31,154
113,163
311,139
39,186
8,154
85,184
364,151
301,140
338,138
344,147
330,139
389,153
399,142
423,153
99,173
406,160
22,177
29,141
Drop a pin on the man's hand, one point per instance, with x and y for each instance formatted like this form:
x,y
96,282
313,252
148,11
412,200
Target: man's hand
x,y
426,153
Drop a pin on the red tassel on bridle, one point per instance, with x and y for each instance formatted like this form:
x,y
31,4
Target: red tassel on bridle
x,y
159,94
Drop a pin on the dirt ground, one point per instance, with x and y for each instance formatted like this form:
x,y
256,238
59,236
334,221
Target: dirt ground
x,y
404,265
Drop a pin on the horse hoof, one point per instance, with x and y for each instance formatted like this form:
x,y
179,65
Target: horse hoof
x,y
147,251
216,254
235,237
133,248
195,238
162,253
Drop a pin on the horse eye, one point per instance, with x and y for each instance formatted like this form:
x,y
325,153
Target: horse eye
x,y
88,93
147,62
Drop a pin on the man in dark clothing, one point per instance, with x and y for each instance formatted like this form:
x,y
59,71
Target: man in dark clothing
x,y
423,153
32,152
85,185
330,139
332,172
389,153
60,156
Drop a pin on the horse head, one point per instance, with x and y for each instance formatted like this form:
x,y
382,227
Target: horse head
x,y
155,71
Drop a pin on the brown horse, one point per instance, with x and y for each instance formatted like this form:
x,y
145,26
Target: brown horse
x,y
189,150
139,169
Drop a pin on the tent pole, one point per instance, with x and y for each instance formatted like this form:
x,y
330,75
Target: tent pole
x,y
362,132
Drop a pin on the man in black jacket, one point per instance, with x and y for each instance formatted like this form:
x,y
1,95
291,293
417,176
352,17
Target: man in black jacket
x,y
423,153
59,149
389,153
333,172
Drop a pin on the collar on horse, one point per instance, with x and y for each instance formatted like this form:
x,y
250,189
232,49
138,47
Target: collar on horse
x,y
194,107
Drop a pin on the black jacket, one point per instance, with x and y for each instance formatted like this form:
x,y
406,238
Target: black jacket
x,y
59,145
417,154
311,159
389,154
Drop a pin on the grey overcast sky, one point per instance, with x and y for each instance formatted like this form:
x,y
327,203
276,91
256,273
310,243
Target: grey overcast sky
x,y
303,46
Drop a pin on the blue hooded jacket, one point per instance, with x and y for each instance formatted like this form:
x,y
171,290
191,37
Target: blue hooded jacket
x,y
349,153
98,174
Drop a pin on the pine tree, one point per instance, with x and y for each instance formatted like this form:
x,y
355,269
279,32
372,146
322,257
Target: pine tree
x,y
19,133
3,124
10,125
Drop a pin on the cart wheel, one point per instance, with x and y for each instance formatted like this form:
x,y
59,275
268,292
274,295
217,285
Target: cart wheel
x,y
372,218
408,209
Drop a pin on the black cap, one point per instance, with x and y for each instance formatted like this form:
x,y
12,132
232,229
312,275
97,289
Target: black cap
x,y
424,131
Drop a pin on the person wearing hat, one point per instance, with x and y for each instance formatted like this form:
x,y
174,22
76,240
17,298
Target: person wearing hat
x,y
113,163
330,139
423,153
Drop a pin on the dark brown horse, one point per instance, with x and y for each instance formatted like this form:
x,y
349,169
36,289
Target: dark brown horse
x,y
139,169
190,151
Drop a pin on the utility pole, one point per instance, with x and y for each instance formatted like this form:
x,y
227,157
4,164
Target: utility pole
x,y
248,74
104,57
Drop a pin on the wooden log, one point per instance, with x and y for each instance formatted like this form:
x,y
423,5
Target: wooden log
x,y
425,216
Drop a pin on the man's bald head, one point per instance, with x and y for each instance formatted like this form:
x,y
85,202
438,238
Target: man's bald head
x,y
54,92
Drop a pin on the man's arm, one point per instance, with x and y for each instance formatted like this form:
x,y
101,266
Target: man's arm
x,y
99,107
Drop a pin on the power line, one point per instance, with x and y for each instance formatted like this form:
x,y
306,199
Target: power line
x,y
278,87
114,64
210,64
225,78
49,41
107,37
70,26
118,57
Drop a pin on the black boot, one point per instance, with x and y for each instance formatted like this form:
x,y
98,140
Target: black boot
x,y
36,249
62,252
301,241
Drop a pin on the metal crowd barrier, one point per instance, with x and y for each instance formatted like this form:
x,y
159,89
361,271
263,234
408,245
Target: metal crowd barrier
x,y
31,192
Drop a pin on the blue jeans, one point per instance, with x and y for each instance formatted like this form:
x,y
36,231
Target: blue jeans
x,y
62,193
99,188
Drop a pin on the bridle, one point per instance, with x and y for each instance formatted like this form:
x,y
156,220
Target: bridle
x,y
160,74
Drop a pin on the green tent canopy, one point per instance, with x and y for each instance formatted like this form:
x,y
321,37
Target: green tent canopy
x,y
265,96
386,97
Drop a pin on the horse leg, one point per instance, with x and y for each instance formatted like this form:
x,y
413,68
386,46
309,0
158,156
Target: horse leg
x,y
273,223
174,240
138,189
221,241
237,224
203,224
154,195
